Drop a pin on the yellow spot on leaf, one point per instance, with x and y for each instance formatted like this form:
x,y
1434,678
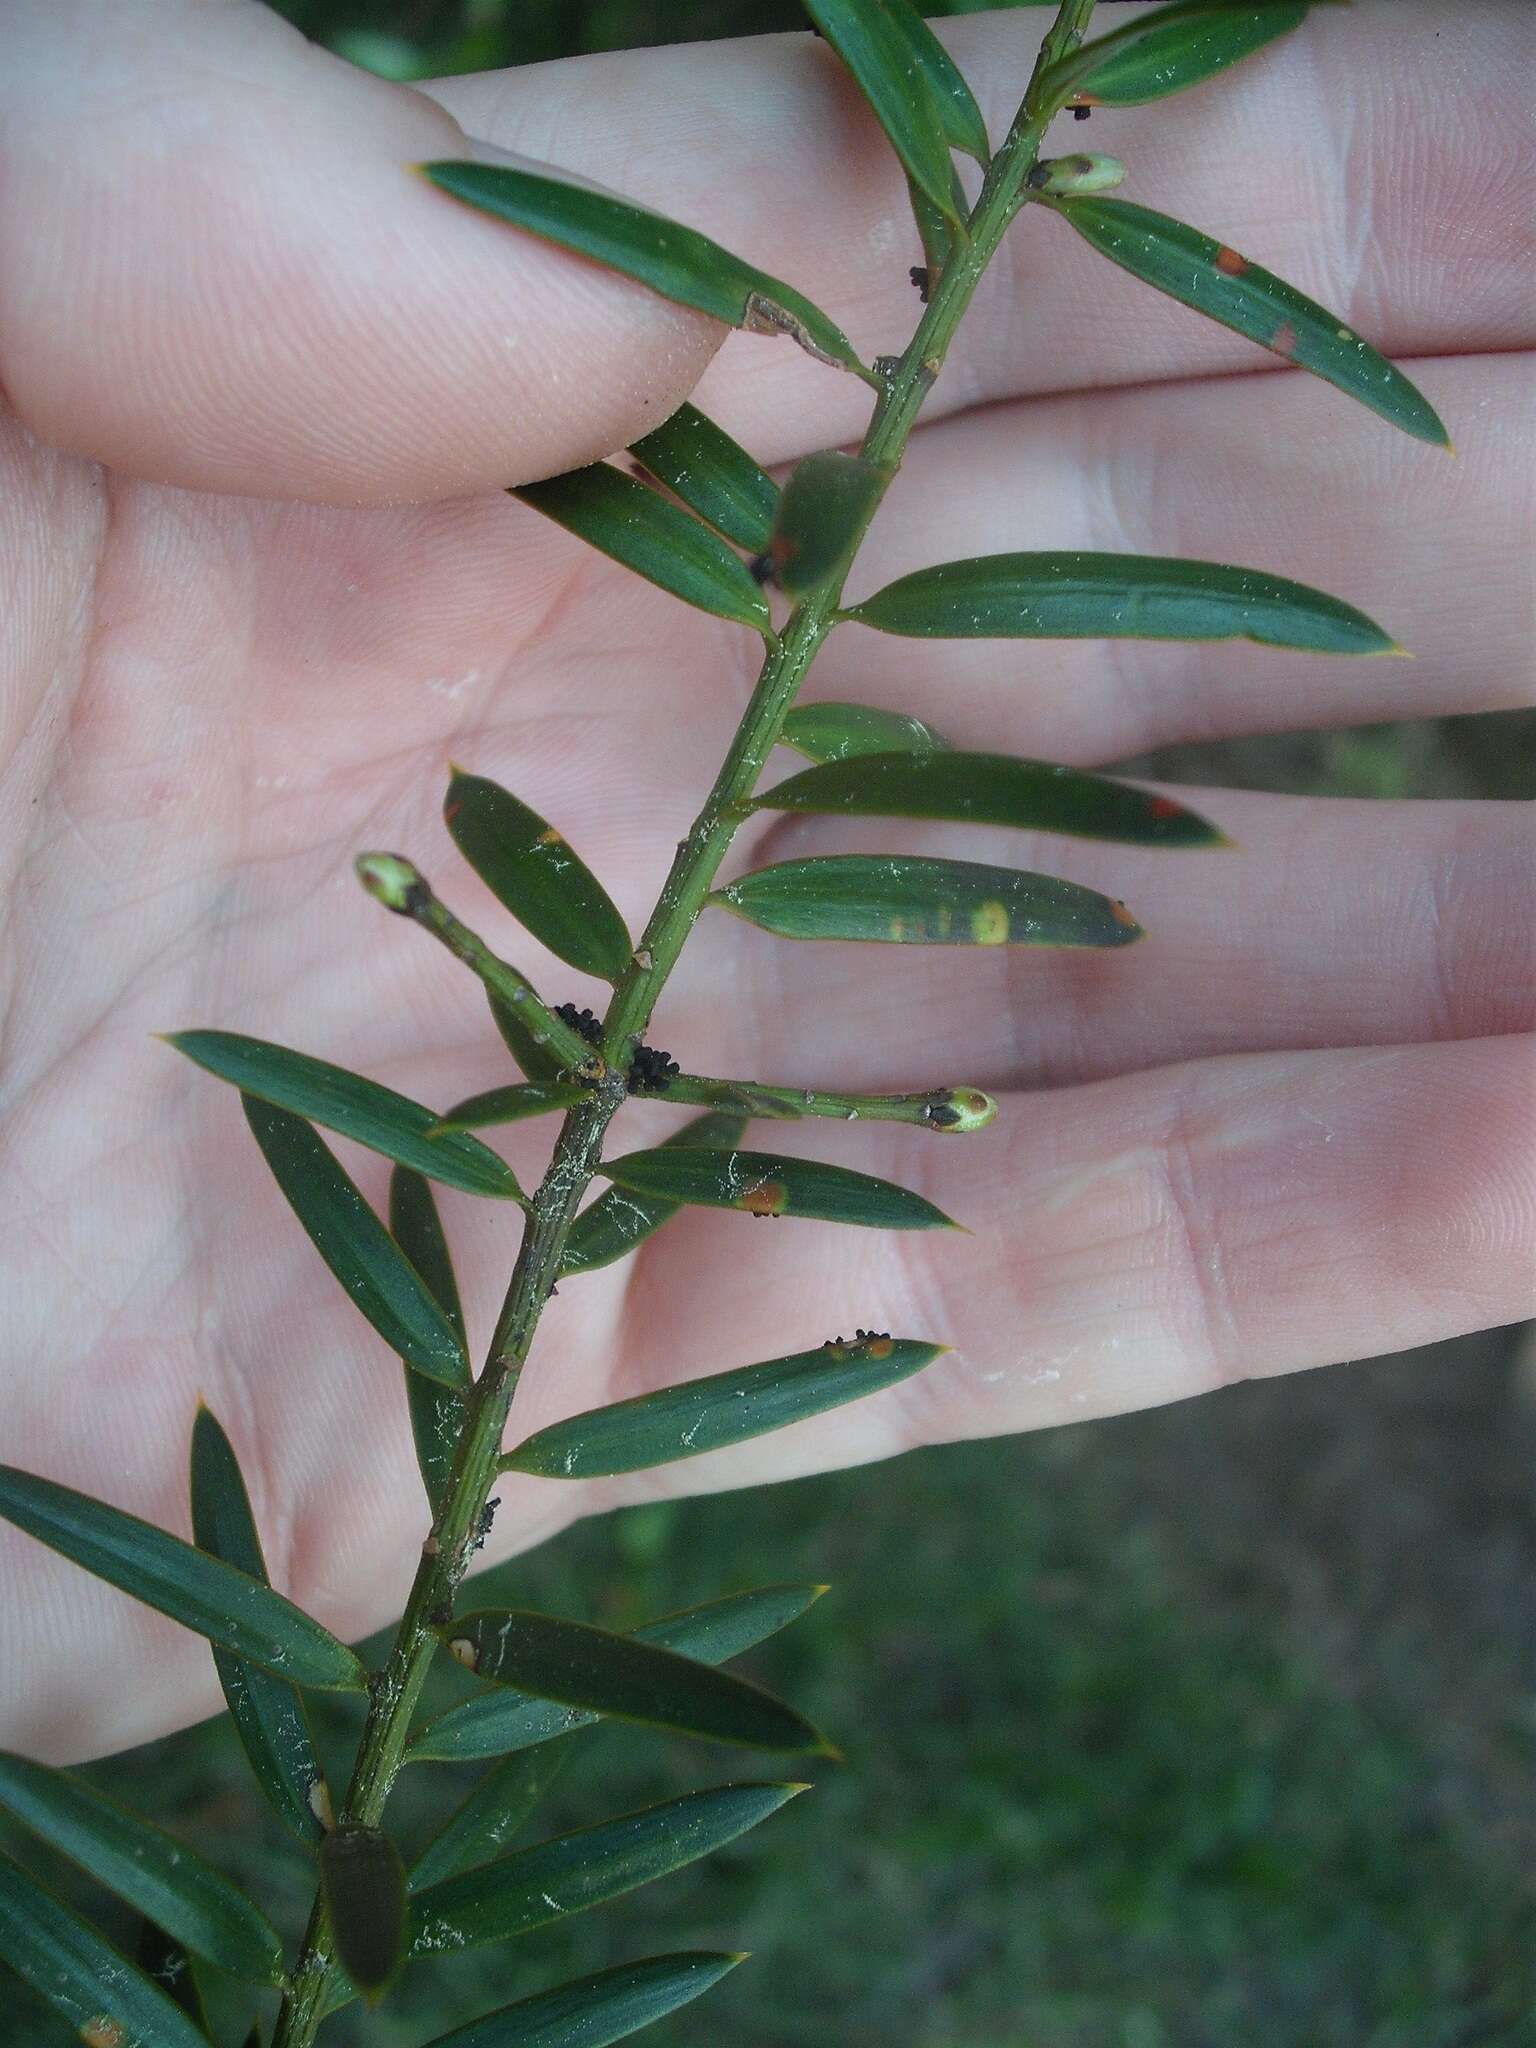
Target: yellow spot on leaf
x,y
989,924
102,2033
550,837
320,1804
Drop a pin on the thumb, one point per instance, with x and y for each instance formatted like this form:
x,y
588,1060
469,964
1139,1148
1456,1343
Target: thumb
x,y
230,277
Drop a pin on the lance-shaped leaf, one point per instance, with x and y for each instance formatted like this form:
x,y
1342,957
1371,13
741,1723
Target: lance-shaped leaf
x,y
993,789
527,864
713,475
510,1105
268,1713
591,2012
1076,596
1201,272
912,85
204,1594
766,1184
362,1880
437,1412
491,1815
502,1720
165,1880
166,1963
585,1868
629,522
618,1220
912,901
824,509
840,732
381,1281
623,1679
674,260
936,231
346,1103
724,1408
1169,50
108,2002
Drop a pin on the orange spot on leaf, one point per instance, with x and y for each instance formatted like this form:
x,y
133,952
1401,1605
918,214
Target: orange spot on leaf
x,y
1229,263
768,1198
879,1347
1120,914
1165,807
102,2033
550,837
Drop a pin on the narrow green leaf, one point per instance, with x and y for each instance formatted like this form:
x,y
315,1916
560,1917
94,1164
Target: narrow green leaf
x,y
993,789
108,2002
502,1720
674,260
510,1105
912,86
911,901
1075,596
492,1814
622,1678
202,1593
166,1881
1201,272
381,1281
437,1411
585,1868
166,1963
1168,51
713,475
362,1880
618,1221
765,1184
253,2038
538,1060
526,864
840,732
822,513
630,523
591,2012
344,1102
725,1408
268,1713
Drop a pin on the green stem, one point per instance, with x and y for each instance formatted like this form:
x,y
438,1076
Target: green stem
x,y
552,1209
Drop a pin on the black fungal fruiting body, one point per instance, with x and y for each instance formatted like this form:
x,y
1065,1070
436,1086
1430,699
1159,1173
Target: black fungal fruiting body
x,y
582,1022
650,1070
921,278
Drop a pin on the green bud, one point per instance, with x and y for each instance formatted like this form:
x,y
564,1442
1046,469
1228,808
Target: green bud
x,y
1074,175
397,884
959,1109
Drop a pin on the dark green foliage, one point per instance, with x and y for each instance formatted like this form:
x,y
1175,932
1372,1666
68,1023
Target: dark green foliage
x,y
362,1879
713,475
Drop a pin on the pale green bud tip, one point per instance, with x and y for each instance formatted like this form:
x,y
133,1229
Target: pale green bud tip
x,y
1077,174
397,883
960,1109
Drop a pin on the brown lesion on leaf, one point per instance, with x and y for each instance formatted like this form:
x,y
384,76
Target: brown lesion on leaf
x,y
1165,807
103,2033
764,1198
762,315
550,837
1121,915
1229,263
1283,340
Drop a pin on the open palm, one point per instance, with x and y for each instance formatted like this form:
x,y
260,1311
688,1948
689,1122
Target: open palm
x,y
273,587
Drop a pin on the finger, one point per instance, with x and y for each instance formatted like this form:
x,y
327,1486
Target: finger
x,y
1329,923
1336,157
1268,472
230,278
1136,1242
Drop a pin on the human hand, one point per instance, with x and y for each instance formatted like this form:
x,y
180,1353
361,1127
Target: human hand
x,y
262,387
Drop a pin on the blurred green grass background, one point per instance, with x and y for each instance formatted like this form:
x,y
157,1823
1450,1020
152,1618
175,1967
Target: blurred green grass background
x,y
1207,1728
